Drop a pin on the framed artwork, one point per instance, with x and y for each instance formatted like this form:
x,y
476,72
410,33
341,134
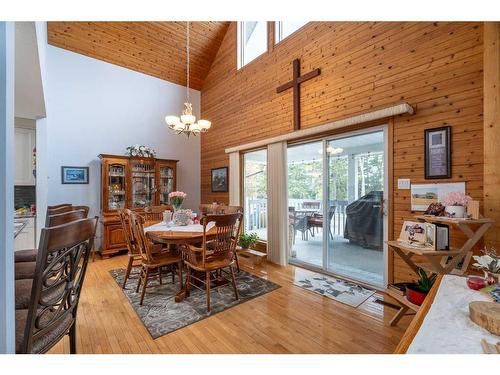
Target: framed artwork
x,y
422,195
219,180
74,175
438,152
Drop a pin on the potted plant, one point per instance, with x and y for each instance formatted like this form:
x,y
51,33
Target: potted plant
x,y
416,292
455,203
247,240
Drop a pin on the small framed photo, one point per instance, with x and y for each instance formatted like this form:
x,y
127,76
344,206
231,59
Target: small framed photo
x,y
74,175
438,152
219,180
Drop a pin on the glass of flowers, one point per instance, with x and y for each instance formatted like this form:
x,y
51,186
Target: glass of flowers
x,y
176,199
455,203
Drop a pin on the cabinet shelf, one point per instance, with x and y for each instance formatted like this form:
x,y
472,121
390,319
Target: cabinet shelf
x,y
118,176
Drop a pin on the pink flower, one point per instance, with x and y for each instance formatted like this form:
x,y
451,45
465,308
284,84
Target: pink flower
x,y
456,198
178,194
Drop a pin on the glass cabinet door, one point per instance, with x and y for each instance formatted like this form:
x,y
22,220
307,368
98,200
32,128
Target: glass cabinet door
x,y
143,183
116,186
166,183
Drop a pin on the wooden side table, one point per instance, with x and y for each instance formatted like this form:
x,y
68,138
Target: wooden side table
x,y
438,261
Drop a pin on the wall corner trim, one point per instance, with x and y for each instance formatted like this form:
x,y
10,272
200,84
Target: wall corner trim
x,y
399,108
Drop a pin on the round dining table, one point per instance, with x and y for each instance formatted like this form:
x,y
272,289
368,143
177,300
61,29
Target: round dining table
x,y
177,235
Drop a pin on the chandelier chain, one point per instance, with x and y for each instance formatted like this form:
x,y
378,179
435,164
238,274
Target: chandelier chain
x,y
187,60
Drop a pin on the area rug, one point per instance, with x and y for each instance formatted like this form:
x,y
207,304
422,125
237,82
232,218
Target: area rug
x,y
160,314
331,287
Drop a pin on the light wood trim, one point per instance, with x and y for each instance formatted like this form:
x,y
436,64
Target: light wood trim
x,y
372,115
390,197
417,321
491,82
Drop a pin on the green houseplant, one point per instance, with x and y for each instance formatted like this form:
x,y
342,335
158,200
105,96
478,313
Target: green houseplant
x,y
416,292
247,240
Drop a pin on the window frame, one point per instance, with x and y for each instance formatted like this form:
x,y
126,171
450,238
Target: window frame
x,y
240,45
278,32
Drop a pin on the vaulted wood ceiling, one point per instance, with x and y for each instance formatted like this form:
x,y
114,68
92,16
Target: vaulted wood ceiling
x,y
154,48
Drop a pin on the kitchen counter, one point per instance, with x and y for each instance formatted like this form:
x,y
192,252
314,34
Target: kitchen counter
x,y
19,225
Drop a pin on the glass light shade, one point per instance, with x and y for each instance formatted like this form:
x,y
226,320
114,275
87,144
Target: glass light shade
x,y
172,120
179,126
188,119
204,124
195,128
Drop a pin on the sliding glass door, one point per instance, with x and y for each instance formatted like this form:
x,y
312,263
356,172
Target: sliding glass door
x,y
355,246
336,192
305,203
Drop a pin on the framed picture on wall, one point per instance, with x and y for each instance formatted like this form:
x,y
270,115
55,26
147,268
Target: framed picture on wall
x,y
438,152
220,180
74,175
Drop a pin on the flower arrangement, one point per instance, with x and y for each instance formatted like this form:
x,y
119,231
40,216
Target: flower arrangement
x,y
176,198
456,198
141,151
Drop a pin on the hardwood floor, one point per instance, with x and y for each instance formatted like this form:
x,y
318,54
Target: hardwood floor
x,y
288,320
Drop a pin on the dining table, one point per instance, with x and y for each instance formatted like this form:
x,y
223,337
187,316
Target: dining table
x,y
160,232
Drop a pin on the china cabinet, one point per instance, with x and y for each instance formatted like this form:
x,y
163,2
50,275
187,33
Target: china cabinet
x,y
134,183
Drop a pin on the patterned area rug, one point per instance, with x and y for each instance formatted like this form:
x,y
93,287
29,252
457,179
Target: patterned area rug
x,y
331,287
161,314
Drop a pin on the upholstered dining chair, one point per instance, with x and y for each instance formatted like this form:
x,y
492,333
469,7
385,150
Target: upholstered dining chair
x,y
25,259
213,260
134,254
60,271
153,260
155,213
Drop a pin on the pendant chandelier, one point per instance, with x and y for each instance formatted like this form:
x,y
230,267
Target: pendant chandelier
x,y
186,123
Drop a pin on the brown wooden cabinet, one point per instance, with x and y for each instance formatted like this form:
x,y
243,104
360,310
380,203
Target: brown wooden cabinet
x,y
134,183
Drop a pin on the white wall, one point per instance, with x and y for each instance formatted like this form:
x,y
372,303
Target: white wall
x,y
94,107
7,51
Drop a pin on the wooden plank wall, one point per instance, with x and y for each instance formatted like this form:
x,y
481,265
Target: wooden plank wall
x,y
435,66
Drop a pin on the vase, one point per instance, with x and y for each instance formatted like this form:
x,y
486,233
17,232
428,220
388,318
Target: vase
x,y
456,211
414,295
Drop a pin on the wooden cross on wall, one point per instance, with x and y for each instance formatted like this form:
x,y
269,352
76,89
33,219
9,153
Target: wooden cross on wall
x,y
295,83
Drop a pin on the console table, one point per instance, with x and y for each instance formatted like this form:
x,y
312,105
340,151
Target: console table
x,y
440,262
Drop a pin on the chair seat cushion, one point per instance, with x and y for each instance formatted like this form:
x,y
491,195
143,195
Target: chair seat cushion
x,y
28,255
43,343
23,293
25,270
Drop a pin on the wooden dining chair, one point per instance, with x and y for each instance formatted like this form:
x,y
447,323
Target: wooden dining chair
x,y
59,210
24,260
213,260
211,208
153,259
155,213
60,272
222,209
59,206
134,254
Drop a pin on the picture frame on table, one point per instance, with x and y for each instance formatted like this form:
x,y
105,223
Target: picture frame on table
x,y
74,175
437,152
219,180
